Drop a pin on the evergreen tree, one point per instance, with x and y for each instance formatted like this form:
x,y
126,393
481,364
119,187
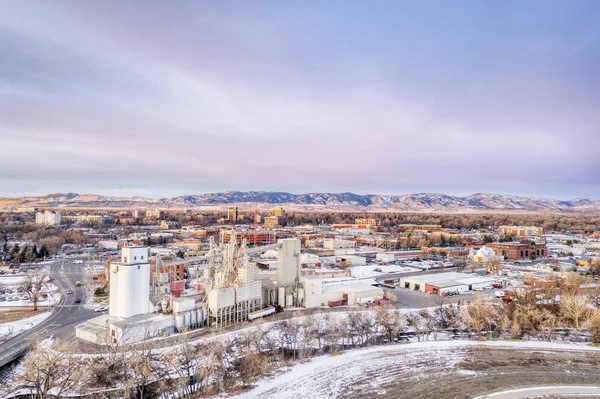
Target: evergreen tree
x,y
43,252
179,254
34,252
23,255
5,247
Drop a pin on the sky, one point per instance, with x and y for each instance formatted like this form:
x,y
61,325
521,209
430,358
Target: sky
x,y
159,99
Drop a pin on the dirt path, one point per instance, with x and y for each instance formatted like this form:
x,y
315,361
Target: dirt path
x,y
546,392
447,369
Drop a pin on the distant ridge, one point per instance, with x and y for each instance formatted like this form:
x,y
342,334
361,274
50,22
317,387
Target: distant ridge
x,y
419,202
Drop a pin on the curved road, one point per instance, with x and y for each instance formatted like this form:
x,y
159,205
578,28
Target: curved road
x,y
546,392
65,316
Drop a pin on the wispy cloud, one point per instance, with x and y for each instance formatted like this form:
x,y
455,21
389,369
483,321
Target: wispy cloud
x,y
369,97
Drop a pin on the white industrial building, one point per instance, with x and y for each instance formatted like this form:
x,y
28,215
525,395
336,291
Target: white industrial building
x,y
442,283
385,257
130,284
136,312
351,260
231,284
337,244
48,218
351,291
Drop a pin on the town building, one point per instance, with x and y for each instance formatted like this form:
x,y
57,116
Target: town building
x,y
520,250
366,223
232,213
423,227
252,237
445,252
337,244
279,212
443,283
274,221
155,214
48,218
346,291
521,230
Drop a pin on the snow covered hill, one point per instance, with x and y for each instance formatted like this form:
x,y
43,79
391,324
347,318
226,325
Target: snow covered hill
x,y
417,202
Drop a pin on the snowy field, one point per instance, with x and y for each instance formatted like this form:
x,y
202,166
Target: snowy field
x,y
12,298
369,372
377,270
8,330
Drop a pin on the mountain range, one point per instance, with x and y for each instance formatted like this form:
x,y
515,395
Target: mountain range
x,y
420,202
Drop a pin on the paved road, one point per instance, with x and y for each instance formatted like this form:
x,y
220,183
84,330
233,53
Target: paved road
x,y
65,316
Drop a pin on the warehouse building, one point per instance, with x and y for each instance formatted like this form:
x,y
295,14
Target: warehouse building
x,y
351,291
442,283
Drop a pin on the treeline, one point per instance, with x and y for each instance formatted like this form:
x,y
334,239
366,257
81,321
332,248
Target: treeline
x,y
588,224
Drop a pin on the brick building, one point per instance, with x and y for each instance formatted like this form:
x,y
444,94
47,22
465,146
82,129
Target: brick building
x,y
520,250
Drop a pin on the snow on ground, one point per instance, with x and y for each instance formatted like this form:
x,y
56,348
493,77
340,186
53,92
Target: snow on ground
x,y
12,279
567,390
8,330
370,270
16,299
330,376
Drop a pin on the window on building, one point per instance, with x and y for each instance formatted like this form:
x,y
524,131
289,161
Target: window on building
x,y
135,258
138,267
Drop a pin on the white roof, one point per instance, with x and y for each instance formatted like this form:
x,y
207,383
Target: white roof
x,y
353,287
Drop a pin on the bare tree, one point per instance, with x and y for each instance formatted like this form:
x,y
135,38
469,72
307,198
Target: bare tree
x,y
493,266
414,320
574,309
472,265
51,371
184,361
390,323
249,365
33,286
481,316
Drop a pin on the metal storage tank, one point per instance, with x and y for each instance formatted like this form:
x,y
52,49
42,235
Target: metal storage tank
x,y
179,321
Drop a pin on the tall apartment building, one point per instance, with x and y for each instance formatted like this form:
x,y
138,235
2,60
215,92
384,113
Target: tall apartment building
x,y
137,214
279,212
155,214
48,218
232,213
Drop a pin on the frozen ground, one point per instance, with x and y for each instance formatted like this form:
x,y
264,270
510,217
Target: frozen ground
x,y
8,330
449,369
